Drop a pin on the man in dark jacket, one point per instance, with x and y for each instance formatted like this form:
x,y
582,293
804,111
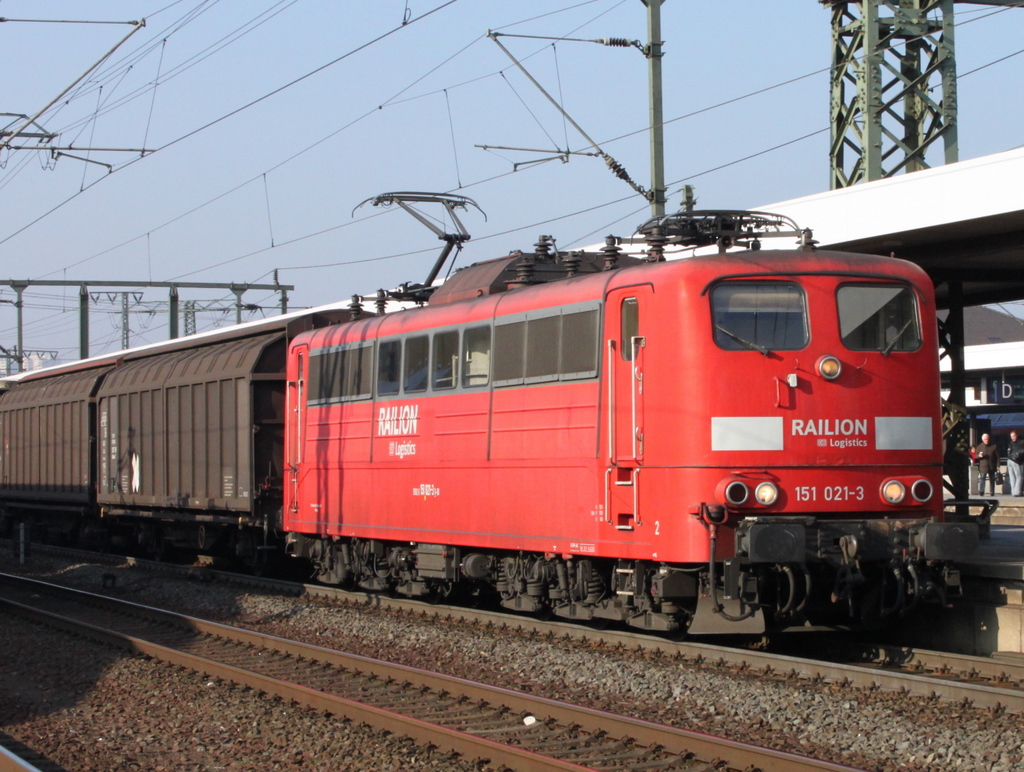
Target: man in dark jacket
x,y
987,455
1015,464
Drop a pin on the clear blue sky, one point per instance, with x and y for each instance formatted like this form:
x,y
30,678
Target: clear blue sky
x,y
232,197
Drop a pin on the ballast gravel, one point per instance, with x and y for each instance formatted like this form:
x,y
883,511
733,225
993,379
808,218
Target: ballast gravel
x,y
95,709
119,714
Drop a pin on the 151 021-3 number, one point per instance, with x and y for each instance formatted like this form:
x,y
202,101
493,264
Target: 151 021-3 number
x,y
830,493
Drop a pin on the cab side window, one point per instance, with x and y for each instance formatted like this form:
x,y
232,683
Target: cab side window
x,y
630,327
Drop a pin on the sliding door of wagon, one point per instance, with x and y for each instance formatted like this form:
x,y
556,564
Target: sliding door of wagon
x,y
626,312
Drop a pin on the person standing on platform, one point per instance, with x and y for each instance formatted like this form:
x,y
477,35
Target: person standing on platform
x,y
1015,464
987,454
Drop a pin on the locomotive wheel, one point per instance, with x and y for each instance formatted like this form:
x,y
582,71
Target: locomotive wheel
x,y
544,613
441,592
332,576
676,636
871,607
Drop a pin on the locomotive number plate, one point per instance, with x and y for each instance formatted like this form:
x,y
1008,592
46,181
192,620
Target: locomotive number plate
x,y
830,493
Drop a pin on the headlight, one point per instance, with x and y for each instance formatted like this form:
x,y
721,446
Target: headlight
x,y
921,490
894,492
766,493
829,368
736,493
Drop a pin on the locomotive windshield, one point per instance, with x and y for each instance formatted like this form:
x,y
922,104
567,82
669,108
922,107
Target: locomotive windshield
x,y
878,318
760,316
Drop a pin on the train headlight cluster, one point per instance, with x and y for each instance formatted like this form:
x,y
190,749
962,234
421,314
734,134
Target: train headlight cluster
x,y
737,493
921,490
766,493
894,491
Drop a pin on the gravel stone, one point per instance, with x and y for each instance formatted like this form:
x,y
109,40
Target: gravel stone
x,y
870,729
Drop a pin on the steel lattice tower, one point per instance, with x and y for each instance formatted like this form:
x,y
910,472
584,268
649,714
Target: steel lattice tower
x,y
893,86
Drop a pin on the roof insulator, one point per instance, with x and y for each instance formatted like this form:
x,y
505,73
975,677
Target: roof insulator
x,y
610,250
356,307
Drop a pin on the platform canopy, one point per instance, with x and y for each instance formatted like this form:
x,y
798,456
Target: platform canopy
x,y
961,222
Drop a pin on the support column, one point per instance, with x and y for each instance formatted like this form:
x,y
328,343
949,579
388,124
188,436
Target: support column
x,y
19,289
656,113
125,329
83,322
956,436
239,291
172,314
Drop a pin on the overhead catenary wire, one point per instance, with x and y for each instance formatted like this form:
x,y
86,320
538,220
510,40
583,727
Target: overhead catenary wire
x,y
69,199
294,156
707,171
29,121
236,111
308,148
455,147
156,82
237,34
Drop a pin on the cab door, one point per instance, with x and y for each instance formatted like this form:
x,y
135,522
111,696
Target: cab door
x,y
625,346
295,466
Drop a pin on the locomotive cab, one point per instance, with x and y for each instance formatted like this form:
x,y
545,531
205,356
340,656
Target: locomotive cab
x,y
824,438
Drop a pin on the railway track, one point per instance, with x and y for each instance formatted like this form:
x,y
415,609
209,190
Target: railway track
x,y
990,683
16,757
521,731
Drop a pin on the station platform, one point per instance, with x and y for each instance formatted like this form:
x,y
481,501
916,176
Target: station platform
x,y
989,618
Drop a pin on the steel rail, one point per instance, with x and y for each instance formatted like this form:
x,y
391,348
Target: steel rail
x,y
672,740
943,664
11,762
884,666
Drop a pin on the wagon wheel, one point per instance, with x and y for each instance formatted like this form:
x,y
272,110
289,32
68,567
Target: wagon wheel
x,y
161,549
257,562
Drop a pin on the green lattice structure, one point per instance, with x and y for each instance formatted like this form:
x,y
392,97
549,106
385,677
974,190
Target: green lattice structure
x,y
893,86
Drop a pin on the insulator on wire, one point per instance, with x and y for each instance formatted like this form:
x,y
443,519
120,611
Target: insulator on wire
x,y
618,170
616,42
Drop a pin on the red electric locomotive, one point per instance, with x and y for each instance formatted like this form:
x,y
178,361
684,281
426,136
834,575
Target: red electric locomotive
x,y
718,443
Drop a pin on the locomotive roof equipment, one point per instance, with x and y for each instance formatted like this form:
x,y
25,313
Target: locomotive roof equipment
x,y
421,292
725,227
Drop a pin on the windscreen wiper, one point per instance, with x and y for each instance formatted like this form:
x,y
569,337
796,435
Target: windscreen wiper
x,y
743,342
892,343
